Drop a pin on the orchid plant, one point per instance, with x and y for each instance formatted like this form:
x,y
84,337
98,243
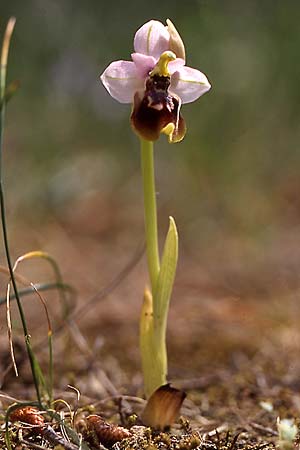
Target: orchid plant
x,y
156,82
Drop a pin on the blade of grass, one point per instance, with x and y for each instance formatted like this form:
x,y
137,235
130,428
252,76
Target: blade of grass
x,y
59,279
3,70
41,287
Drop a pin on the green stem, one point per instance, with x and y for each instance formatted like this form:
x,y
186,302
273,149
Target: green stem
x,y
3,67
150,211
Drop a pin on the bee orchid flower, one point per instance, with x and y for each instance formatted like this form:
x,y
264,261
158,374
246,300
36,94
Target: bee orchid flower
x,y
156,82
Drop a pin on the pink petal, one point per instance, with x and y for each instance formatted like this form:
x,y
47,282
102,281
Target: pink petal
x,y
152,39
176,65
143,63
121,80
189,84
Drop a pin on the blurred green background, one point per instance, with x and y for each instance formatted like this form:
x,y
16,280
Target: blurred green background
x,y
233,183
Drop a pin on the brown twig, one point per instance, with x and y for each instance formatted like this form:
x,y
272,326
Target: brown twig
x,y
31,445
265,430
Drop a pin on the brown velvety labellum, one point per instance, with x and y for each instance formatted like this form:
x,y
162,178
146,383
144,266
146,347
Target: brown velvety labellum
x,y
163,407
156,108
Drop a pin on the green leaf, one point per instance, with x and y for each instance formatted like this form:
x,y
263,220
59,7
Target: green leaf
x,y
165,281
